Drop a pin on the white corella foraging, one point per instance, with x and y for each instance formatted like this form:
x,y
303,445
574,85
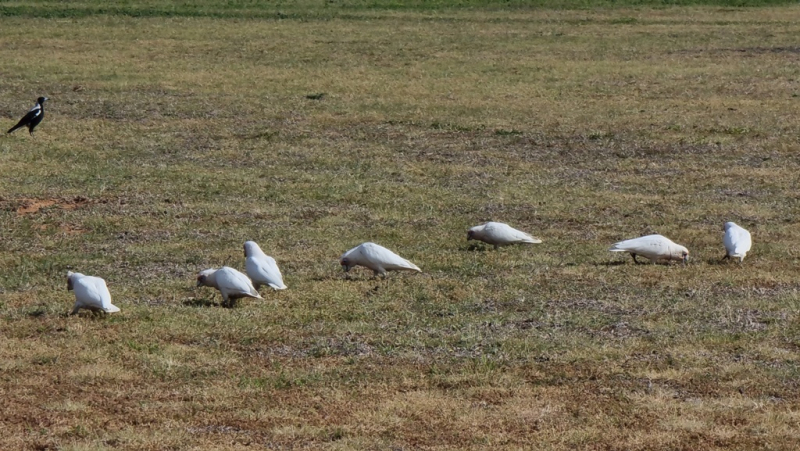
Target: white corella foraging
x,y
652,247
500,234
737,241
231,283
377,258
261,268
91,293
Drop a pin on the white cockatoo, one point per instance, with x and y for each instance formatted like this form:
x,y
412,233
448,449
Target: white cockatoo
x,y
261,268
653,247
737,241
231,283
377,258
499,234
91,293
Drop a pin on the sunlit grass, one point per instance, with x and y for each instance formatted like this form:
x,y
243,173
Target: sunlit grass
x,y
169,141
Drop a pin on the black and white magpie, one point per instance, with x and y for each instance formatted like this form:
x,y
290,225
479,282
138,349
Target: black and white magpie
x,y
32,119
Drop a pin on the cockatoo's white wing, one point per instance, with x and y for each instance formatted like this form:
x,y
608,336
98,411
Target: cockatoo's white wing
x,y
737,240
86,295
505,234
92,293
376,256
743,241
105,295
637,244
263,270
233,284
650,246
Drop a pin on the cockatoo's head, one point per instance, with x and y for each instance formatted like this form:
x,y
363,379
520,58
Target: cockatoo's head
x,y
203,277
69,280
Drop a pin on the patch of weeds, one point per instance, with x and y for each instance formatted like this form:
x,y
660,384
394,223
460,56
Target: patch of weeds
x,y
484,364
337,434
320,351
259,383
78,431
149,348
737,131
247,341
38,312
436,370
45,360
597,135
281,381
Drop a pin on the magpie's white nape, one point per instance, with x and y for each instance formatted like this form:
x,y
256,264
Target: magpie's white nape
x,y
32,119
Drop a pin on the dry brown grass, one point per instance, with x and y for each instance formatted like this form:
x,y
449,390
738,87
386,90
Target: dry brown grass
x,y
170,141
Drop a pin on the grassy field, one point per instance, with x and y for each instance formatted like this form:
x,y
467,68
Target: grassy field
x,y
169,141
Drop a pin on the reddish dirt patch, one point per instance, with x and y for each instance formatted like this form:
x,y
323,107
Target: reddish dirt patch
x,y
31,206
71,230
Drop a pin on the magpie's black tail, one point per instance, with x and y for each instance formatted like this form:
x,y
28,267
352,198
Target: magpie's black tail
x,y
15,127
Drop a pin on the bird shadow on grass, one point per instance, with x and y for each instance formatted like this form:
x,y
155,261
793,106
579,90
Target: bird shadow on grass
x,y
631,263
93,315
325,277
474,248
195,302
612,263
720,262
